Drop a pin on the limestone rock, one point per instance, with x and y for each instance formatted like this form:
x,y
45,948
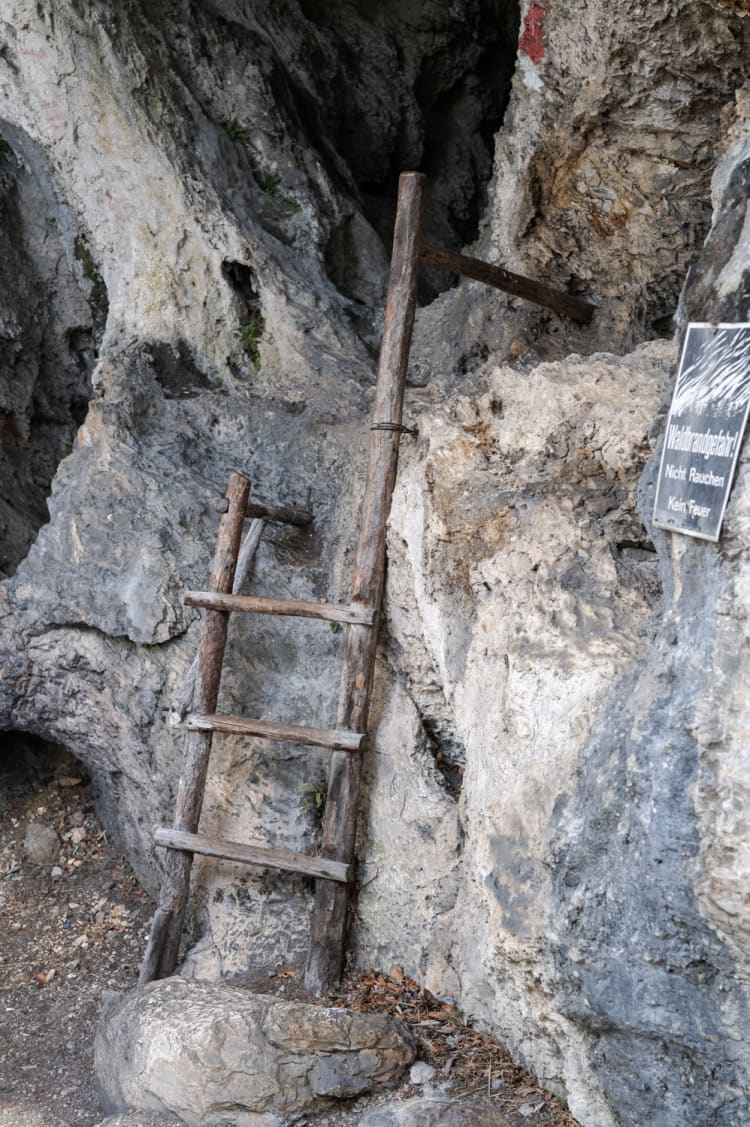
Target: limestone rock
x,y
41,844
140,1119
421,1073
203,1052
436,1111
520,585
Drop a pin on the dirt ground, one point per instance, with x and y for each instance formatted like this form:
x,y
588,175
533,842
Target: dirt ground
x,y
73,926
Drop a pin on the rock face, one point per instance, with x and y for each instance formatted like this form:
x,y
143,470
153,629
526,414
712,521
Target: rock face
x,y
52,310
671,962
208,1053
521,589
198,199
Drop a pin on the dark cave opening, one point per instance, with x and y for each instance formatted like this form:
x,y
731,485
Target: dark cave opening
x,y
29,763
53,307
364,92
389,89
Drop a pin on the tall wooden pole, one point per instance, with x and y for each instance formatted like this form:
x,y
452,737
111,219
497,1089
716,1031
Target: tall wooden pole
x,y
163,946
329,918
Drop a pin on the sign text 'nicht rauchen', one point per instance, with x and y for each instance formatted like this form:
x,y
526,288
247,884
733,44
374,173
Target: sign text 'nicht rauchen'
x,y
704,430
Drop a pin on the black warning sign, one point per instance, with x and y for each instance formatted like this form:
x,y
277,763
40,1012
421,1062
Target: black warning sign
x,y
704,430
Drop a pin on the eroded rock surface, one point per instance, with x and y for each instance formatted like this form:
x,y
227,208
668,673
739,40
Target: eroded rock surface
x,y
520,590
207,1053
198,197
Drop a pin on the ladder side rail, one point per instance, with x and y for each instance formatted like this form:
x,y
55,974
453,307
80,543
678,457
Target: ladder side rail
x,y
248,548
162,951
329,916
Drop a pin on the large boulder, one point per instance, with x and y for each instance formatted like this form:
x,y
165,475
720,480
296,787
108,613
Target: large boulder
x,y
206,1053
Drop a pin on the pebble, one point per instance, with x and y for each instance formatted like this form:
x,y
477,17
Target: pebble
x,y
436,1111
56,871
421,1073
41,844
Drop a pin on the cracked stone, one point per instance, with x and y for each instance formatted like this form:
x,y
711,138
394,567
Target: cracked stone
x,y
196,1050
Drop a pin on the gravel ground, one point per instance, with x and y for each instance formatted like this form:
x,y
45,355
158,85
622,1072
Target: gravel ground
x,y
73,926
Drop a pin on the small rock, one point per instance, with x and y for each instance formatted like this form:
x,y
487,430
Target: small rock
x,y
77,835
140,1119
41,844
436,1111
421,1073
527,1110
56,871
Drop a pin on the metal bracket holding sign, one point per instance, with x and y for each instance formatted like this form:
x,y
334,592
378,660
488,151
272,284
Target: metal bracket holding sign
x,y
704,431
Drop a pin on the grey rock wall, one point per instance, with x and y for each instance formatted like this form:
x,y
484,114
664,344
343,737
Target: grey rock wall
x,y
53,308
521,589
599,874
554,825
651,895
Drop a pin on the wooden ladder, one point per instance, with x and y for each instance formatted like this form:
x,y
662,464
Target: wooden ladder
x,y
332,869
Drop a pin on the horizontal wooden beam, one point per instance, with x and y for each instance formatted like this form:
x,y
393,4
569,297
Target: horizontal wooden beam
x,y
501,279
283,859
284,514
299,608
336,739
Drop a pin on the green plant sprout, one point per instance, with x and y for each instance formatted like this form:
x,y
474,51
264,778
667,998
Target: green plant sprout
x,y
5,149
312,799
235,130
250,334
272,187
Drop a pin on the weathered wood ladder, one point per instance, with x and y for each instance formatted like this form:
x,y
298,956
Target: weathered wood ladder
x,y
333,868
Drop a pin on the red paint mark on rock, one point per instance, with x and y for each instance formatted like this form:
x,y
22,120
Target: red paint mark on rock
x,y
532,36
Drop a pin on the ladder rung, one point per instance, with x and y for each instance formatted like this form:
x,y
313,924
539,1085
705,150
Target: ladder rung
x,y
330,612
253,854
336,739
